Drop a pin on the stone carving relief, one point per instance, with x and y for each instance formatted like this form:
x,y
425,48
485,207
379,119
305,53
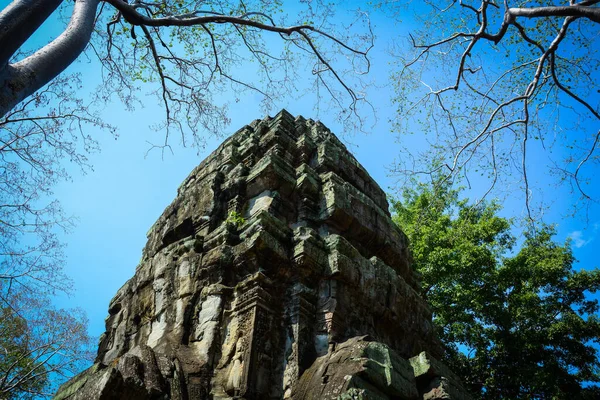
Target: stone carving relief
x,y
307,293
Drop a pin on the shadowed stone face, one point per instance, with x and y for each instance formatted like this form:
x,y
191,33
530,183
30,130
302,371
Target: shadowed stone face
x,y
276,273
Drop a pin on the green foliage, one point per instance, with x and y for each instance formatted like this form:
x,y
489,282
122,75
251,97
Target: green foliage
x,y
40,346
250,46
517,321
235,219
16,358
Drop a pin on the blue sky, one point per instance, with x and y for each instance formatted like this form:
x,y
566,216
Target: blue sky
x,y
128,189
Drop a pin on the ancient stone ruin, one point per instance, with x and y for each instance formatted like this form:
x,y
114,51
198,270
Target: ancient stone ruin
x,y
276,273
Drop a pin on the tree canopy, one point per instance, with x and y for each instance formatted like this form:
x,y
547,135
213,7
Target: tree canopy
x,y
40,346
187,48
15,357
514,314
508,93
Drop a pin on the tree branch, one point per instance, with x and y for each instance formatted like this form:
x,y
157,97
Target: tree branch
x,y
18,21
591,13
22,79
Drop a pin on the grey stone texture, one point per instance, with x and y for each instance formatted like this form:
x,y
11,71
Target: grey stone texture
x,y
276,273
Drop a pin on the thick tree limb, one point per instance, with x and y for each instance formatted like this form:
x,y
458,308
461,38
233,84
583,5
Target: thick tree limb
x,y
27,76
592,13
22,79
18,21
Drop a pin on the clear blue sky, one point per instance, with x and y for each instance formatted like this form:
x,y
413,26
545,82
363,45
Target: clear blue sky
x,y
120,200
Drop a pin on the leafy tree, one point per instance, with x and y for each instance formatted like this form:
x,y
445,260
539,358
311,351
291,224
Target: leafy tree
x,y
516,319
40,347
14,354
509,90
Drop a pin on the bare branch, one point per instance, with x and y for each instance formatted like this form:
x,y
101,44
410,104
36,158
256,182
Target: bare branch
x,y
509,83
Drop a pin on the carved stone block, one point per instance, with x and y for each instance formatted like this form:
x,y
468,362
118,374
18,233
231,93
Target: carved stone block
x,y
276,273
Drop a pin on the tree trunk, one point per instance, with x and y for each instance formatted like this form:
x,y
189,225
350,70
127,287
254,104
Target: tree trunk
x,y
22,79
18,21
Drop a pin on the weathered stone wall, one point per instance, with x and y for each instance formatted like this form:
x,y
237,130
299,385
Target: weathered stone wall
x,y
277,254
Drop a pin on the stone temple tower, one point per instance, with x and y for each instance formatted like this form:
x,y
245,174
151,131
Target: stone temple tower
x,y
276,273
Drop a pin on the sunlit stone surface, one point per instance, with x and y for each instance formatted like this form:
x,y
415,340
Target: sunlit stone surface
x,y
276,273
